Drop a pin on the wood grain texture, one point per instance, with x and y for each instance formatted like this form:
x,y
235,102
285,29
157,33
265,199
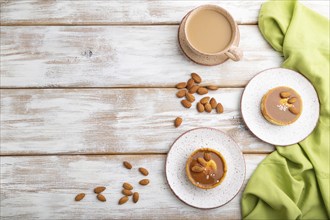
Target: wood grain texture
x,y
84,121
118,56
44,188
101,12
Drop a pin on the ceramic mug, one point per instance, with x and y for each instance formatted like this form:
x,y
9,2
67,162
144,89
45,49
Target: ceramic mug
x,y
231,51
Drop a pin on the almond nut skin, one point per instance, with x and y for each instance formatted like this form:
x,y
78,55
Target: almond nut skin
x,y
292,100
101,197
193,89
186,103
126,192
204,100
127,165
127,186
79,197
219,108
197,169
144,171
144,182
213,103
123,200
99,189
202,91
181,93
136,197
207,156
208,107
190,83
196,78
294,110
285,94
200,107
212,88
177,122
190,97
181,85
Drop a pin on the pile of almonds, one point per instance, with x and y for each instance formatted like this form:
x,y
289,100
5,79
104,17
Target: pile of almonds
x,y
187,89
127,188
290,100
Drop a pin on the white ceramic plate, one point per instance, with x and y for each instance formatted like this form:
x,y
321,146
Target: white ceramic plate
x,y
268,132
176,163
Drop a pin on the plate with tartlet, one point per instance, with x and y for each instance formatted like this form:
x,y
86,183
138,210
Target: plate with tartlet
x,y
280,106
205,168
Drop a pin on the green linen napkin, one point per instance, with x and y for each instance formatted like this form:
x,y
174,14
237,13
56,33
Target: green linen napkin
x,y
293,181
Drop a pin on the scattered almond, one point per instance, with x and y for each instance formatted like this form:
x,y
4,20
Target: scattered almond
x,y
208,107
144,182
136,197
212,87
177,122
207,156
197,169
196,78
126,192
204,100
186,103
190,83
202,91
99,189
101,197
200,107
193,89
144,171
190,97
285,94
181,93
294,110
213,103
181,85
292,100
127,165
219,108
123,200
79,197
127,186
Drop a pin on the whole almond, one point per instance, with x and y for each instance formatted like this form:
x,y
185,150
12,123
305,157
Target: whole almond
x,y
126,192
144,182
202,91
207,156
190,97
212,87
144,171
208,107
127,165
285,94
200,107
292,100
186,103
177,122
202,161
136,197
127,186
196,78
190,83
101,197
79,197
197,169
219,108
181,85
193,89
123,200
99,189
213,103
293,110
204,100
181,93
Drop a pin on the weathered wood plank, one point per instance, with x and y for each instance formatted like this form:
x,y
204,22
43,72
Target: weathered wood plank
x,y
117,56
79,121
96,12
44,188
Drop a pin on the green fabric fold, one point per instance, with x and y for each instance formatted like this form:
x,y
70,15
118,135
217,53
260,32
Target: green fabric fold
x,y
293,181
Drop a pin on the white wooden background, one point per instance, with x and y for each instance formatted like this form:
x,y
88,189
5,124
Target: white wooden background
x,y
88,84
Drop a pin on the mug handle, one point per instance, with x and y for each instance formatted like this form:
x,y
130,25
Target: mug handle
x,y
234,53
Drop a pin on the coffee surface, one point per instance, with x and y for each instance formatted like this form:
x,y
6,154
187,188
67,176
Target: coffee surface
x,y
208,31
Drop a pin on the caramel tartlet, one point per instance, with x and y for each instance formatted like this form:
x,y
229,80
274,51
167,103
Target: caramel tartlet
x,y
281,105
206,168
